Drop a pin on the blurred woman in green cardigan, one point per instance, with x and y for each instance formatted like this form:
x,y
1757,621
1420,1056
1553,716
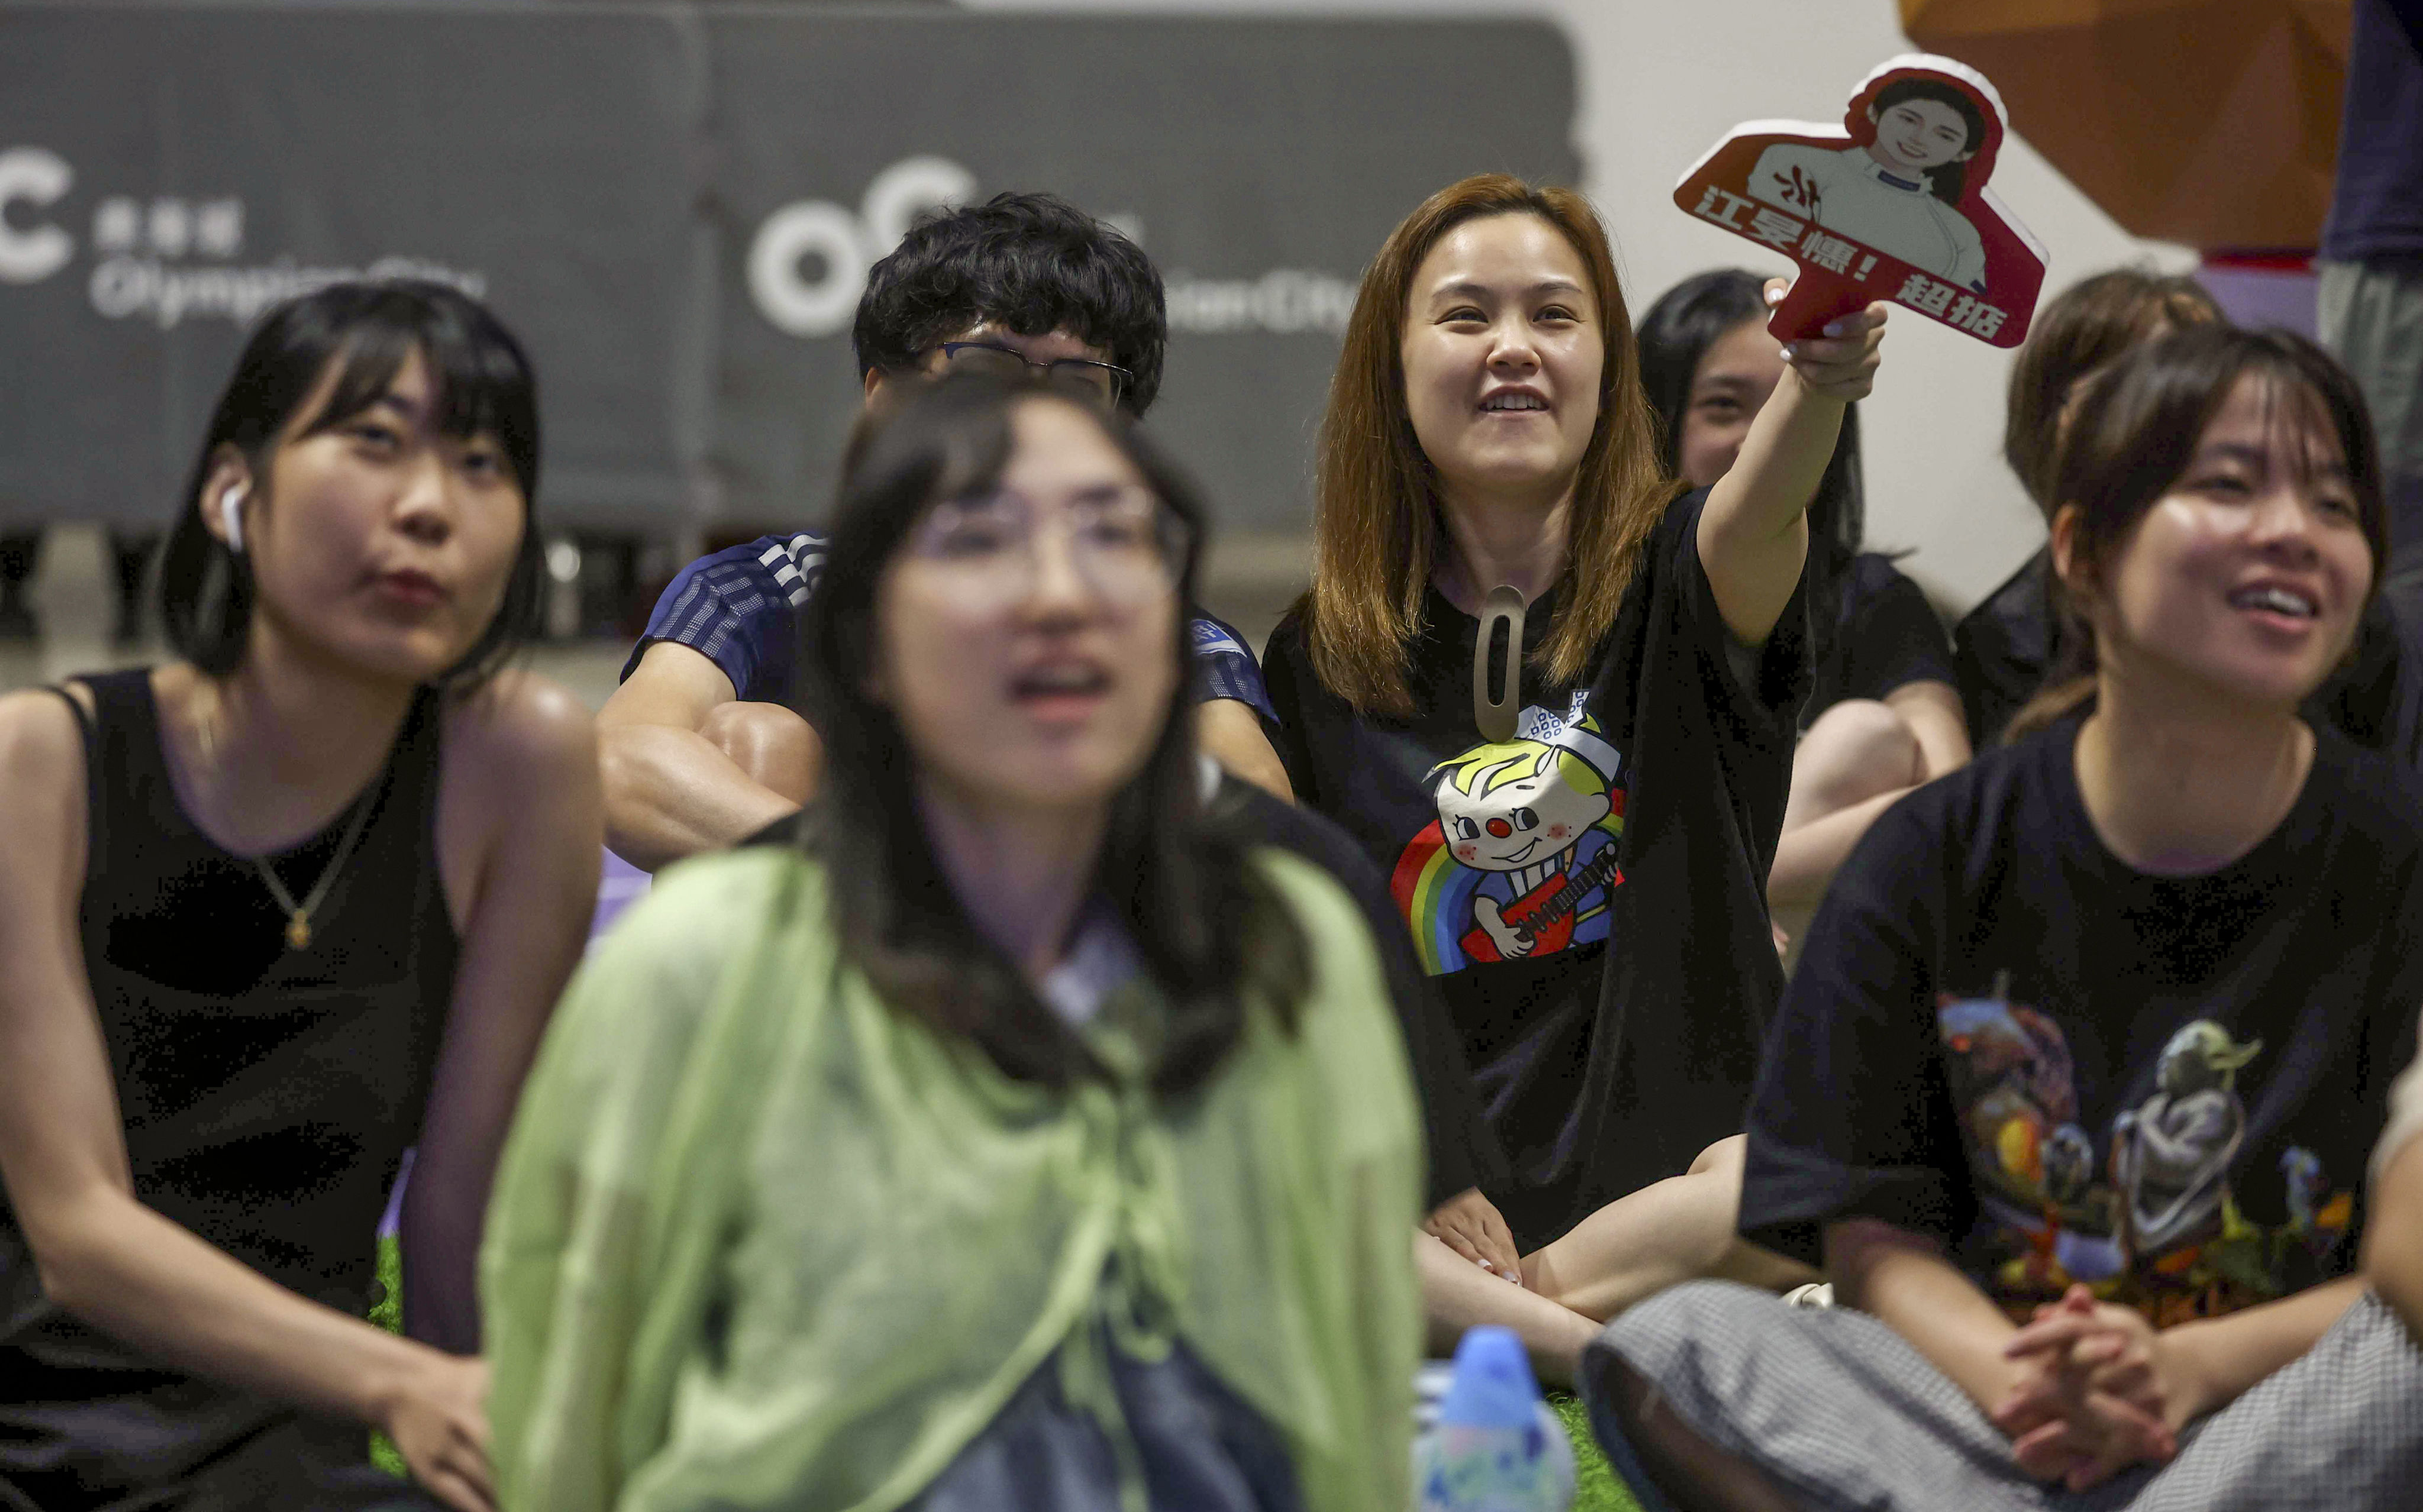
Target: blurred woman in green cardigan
x,y
999,1136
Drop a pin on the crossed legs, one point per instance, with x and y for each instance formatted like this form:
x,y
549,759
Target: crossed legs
x,y
1677,1230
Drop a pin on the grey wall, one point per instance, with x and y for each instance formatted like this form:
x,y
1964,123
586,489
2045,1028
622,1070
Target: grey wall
x,y
675,204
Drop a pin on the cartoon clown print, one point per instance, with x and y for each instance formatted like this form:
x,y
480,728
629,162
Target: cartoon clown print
x,y
1521,860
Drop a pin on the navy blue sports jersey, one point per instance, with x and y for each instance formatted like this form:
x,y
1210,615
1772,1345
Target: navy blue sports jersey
x,y
739,609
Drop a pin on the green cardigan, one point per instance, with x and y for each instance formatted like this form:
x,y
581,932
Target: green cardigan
x,y
759,1242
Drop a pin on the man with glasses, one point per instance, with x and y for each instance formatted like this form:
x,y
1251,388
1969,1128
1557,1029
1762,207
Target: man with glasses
x,y
700,746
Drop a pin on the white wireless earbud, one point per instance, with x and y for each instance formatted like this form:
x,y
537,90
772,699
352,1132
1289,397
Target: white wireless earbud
x,y
231,516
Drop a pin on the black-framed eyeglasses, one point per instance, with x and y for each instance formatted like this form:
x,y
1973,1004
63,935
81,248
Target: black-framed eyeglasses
x,y
1106,379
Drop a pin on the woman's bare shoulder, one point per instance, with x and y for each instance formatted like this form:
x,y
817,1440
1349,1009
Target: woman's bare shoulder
x,y
40,743
43,791
520,727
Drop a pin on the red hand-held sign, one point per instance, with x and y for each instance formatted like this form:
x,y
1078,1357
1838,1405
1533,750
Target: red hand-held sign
x,y
1892,205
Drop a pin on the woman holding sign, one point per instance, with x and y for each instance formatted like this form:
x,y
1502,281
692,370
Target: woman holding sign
x,y
1578,839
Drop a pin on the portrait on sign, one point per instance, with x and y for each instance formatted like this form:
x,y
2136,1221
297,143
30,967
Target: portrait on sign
x,y
1892,205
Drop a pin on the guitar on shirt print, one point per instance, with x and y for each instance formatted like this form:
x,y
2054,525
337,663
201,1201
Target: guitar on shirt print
x,y
1540,921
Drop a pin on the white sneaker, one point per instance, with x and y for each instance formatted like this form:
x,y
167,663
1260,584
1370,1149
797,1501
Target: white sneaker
x,y
1815,1294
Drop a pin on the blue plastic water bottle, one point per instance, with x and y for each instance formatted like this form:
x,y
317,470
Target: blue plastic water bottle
x,y
1497,1446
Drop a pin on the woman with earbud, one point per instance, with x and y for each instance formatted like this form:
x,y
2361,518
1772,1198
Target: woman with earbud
x,y
273,912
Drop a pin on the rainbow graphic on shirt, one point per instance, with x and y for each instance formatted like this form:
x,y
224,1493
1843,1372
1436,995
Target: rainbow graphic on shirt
x,y
1522,859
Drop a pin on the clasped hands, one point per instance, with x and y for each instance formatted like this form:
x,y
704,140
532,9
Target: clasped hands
x,y
2102,1391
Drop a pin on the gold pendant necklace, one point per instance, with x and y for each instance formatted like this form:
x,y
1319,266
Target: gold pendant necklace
x,y
298,915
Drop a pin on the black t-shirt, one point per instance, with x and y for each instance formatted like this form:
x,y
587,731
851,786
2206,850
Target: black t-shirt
x,y
1462,1152
2004,1036
2001,649
1885,636
1591,894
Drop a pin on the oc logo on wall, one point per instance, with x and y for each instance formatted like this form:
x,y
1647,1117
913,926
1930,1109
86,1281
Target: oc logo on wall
x,y
808,262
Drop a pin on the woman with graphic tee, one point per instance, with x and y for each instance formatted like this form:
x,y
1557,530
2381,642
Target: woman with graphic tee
x,y
1883,714
1586,880
1017,1141
273,912
2075,1083
1900,194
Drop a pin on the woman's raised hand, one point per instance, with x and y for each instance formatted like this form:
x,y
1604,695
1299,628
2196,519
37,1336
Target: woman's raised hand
x,y
1842,362
439,1421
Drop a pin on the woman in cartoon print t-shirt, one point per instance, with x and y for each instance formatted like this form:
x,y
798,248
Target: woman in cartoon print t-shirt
x,y
1582,867
2073,1086
1900,194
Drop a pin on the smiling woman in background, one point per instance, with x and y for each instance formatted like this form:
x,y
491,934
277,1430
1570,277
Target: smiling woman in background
x,y
1017,1143
274,912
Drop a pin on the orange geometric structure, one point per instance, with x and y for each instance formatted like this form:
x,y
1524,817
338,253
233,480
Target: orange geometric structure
x,y
2212,122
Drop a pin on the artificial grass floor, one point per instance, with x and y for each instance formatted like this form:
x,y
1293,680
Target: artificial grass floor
x,y
1595,1487
388,1314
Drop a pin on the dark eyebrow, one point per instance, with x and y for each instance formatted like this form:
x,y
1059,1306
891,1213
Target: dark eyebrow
x,y
2260,458
1721,380
1468,290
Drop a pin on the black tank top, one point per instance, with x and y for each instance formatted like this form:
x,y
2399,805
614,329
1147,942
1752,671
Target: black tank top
x,y
268,1093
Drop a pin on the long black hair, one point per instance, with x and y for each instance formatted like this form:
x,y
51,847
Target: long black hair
x,y
1947,181
2136,433
367,330
1674,335
1211,930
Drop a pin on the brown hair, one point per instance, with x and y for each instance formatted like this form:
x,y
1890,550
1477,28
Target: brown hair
x,y
2135,433
1376,526
2089,327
